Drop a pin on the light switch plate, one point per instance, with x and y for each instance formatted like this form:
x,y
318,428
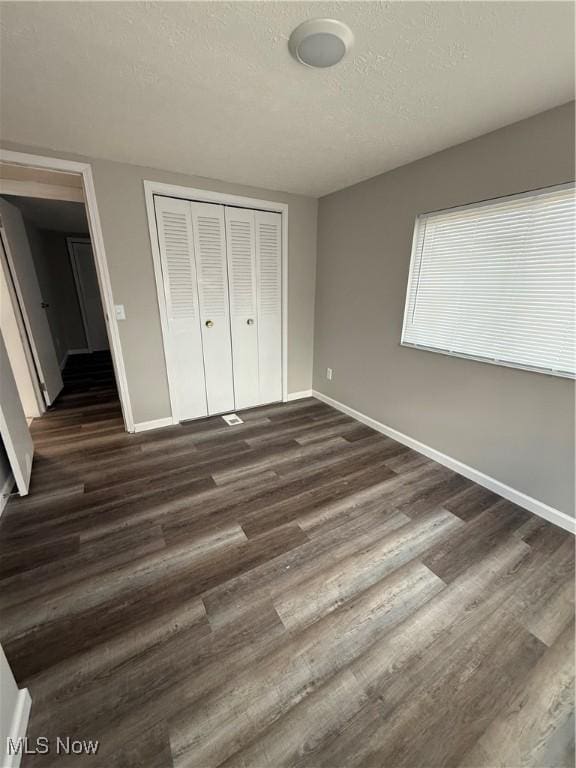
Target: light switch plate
x,y
329,373
120,312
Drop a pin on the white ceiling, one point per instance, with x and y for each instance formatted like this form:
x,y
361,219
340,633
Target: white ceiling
x,y
209,88
40,175
57,215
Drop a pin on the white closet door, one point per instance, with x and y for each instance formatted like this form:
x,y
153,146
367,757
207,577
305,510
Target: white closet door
x,y
210,252
269,292
241,252
175,236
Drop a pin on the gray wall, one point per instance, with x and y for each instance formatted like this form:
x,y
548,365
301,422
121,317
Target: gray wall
x,y
514,425
58,289
120,197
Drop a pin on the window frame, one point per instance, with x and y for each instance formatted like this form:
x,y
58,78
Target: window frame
x,y
420,221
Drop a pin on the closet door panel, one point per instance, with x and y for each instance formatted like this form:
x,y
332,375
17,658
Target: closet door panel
x,y
184,352
269,292
212,273
241,253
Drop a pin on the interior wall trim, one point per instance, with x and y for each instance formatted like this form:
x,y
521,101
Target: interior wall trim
x,y
144,426
70,352
539,508
299,395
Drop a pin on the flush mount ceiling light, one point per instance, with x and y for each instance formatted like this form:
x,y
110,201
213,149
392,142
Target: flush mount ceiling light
x,y
320,42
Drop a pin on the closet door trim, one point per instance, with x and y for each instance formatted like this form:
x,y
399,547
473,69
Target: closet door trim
x,y
192,194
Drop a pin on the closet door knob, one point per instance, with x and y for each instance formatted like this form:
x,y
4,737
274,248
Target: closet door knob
x,y
208,323
250,321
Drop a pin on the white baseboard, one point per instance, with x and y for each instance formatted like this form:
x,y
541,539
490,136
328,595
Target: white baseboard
x,y
70,352
144,426
298,395
518,497
5,491
18,726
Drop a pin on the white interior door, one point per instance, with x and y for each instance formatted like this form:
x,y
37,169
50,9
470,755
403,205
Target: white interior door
x,y
184,343
269,293
212,273
19,256
241,253
88,290
13,426
17,346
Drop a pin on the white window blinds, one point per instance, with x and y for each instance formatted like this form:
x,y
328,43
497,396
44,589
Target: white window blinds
x,y
495,281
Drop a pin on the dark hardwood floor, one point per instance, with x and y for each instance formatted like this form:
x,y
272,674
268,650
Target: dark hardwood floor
x,y
295,591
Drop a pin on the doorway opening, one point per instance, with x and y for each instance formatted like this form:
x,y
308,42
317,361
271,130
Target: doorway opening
x,y
53,322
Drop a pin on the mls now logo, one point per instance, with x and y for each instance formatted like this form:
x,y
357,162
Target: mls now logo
x,y
42,746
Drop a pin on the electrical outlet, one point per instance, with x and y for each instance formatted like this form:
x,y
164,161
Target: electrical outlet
x,y
329,374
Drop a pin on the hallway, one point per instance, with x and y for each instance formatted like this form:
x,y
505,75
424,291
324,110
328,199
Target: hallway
x,y
91,374
88,407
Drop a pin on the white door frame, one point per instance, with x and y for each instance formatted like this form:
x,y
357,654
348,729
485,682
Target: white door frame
x,y
152,188
97,239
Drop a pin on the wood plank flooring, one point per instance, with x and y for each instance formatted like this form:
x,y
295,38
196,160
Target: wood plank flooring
x,y
295,591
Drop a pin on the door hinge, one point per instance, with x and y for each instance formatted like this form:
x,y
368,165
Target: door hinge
x,y
43,387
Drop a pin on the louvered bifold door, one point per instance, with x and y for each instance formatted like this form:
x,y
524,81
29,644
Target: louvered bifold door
x,y
210,252
241,252
269,293
184,343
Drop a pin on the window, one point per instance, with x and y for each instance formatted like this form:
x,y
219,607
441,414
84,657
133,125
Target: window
x,y
494,281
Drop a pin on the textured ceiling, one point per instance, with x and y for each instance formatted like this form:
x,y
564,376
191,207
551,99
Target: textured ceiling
x,y
210,88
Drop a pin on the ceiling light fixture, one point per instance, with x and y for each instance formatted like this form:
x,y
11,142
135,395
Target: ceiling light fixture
x,y
320,42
